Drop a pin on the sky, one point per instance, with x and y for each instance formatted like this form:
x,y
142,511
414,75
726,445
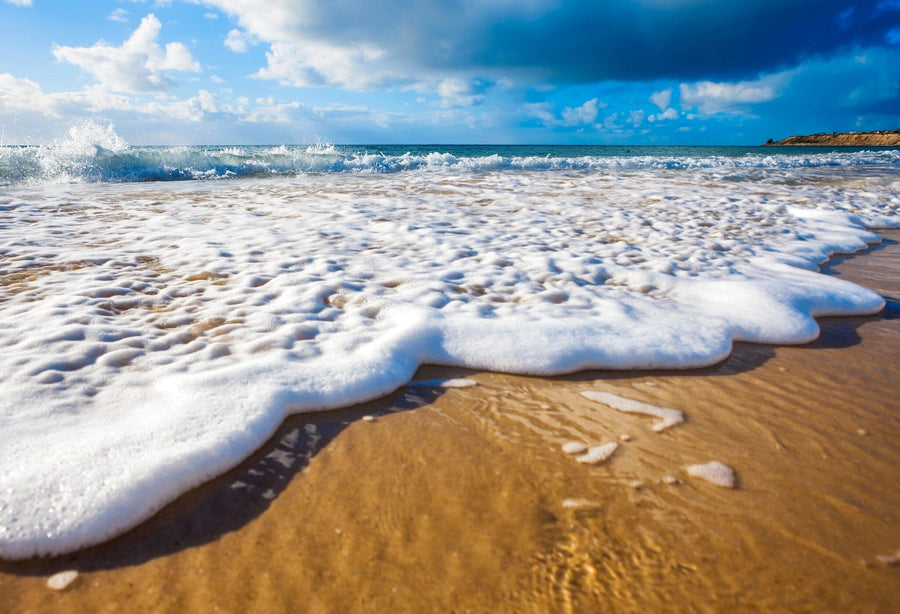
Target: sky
x,y
192,72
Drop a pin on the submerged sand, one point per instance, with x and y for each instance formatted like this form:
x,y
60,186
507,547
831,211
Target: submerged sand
x,y
462,499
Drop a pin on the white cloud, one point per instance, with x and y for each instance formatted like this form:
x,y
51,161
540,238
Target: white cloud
x,y
710,98
20,2
94,99
191,110
458,92
540,110
611,123
236,41
138,66
669,113
26,96
584,114
23,95
662,99
268,111
636,118
119,15
280,20
319,63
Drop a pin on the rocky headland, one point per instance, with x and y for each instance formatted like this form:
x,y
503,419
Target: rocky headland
x,y
879,138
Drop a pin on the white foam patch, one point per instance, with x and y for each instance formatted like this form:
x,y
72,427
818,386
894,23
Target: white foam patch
x,y
444,383
668,417
714,472
62,580
596,455
153,335
574,447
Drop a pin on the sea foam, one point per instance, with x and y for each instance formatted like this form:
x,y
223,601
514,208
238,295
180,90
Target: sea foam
x,y
152,335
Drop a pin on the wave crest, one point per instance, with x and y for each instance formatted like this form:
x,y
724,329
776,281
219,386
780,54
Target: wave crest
x,y
93,153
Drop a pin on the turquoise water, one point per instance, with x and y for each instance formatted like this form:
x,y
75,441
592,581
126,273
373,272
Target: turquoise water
x,y
105,160
613,151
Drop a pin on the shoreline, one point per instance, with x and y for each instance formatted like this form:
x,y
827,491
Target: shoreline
x,y
347,512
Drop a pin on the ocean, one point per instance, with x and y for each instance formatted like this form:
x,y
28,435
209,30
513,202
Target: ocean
x,y
163,309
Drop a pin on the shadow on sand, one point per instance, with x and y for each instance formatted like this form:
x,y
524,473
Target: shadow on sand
x,y
231,501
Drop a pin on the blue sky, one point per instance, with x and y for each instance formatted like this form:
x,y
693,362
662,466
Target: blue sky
x,y
448,71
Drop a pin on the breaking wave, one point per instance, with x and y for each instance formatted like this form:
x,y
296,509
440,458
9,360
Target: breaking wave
x,y
92,153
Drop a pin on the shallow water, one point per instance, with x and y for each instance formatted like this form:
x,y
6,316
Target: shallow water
x,y
169,328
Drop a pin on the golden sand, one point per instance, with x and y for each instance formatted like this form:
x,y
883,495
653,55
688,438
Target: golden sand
x,y
458,500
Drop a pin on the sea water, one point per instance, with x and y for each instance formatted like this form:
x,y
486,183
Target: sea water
x,y
162,309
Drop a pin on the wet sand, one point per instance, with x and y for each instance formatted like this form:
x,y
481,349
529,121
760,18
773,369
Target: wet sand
x,y
461,500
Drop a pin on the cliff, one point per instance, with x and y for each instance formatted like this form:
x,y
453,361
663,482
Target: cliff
x,y
880,138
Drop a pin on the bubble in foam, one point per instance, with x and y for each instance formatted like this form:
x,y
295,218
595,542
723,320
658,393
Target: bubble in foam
x,y
714,472
668,417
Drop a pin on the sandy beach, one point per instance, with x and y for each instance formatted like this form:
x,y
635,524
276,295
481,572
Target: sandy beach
x,y
481,307
462,500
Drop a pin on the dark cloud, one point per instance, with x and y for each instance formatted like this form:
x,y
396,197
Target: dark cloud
x,y
366,44
627,40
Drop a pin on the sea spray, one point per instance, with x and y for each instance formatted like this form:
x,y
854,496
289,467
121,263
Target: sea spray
x,y
93,152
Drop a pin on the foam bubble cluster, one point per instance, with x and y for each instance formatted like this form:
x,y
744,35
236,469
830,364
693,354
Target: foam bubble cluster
x,y
154,335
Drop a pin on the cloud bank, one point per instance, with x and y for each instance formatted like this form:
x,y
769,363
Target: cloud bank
x,y
621,71
363,45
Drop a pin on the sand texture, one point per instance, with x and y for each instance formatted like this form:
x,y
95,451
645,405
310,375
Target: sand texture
x,y
443,499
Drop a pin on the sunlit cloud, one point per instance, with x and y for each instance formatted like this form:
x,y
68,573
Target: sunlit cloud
x,y
139,65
